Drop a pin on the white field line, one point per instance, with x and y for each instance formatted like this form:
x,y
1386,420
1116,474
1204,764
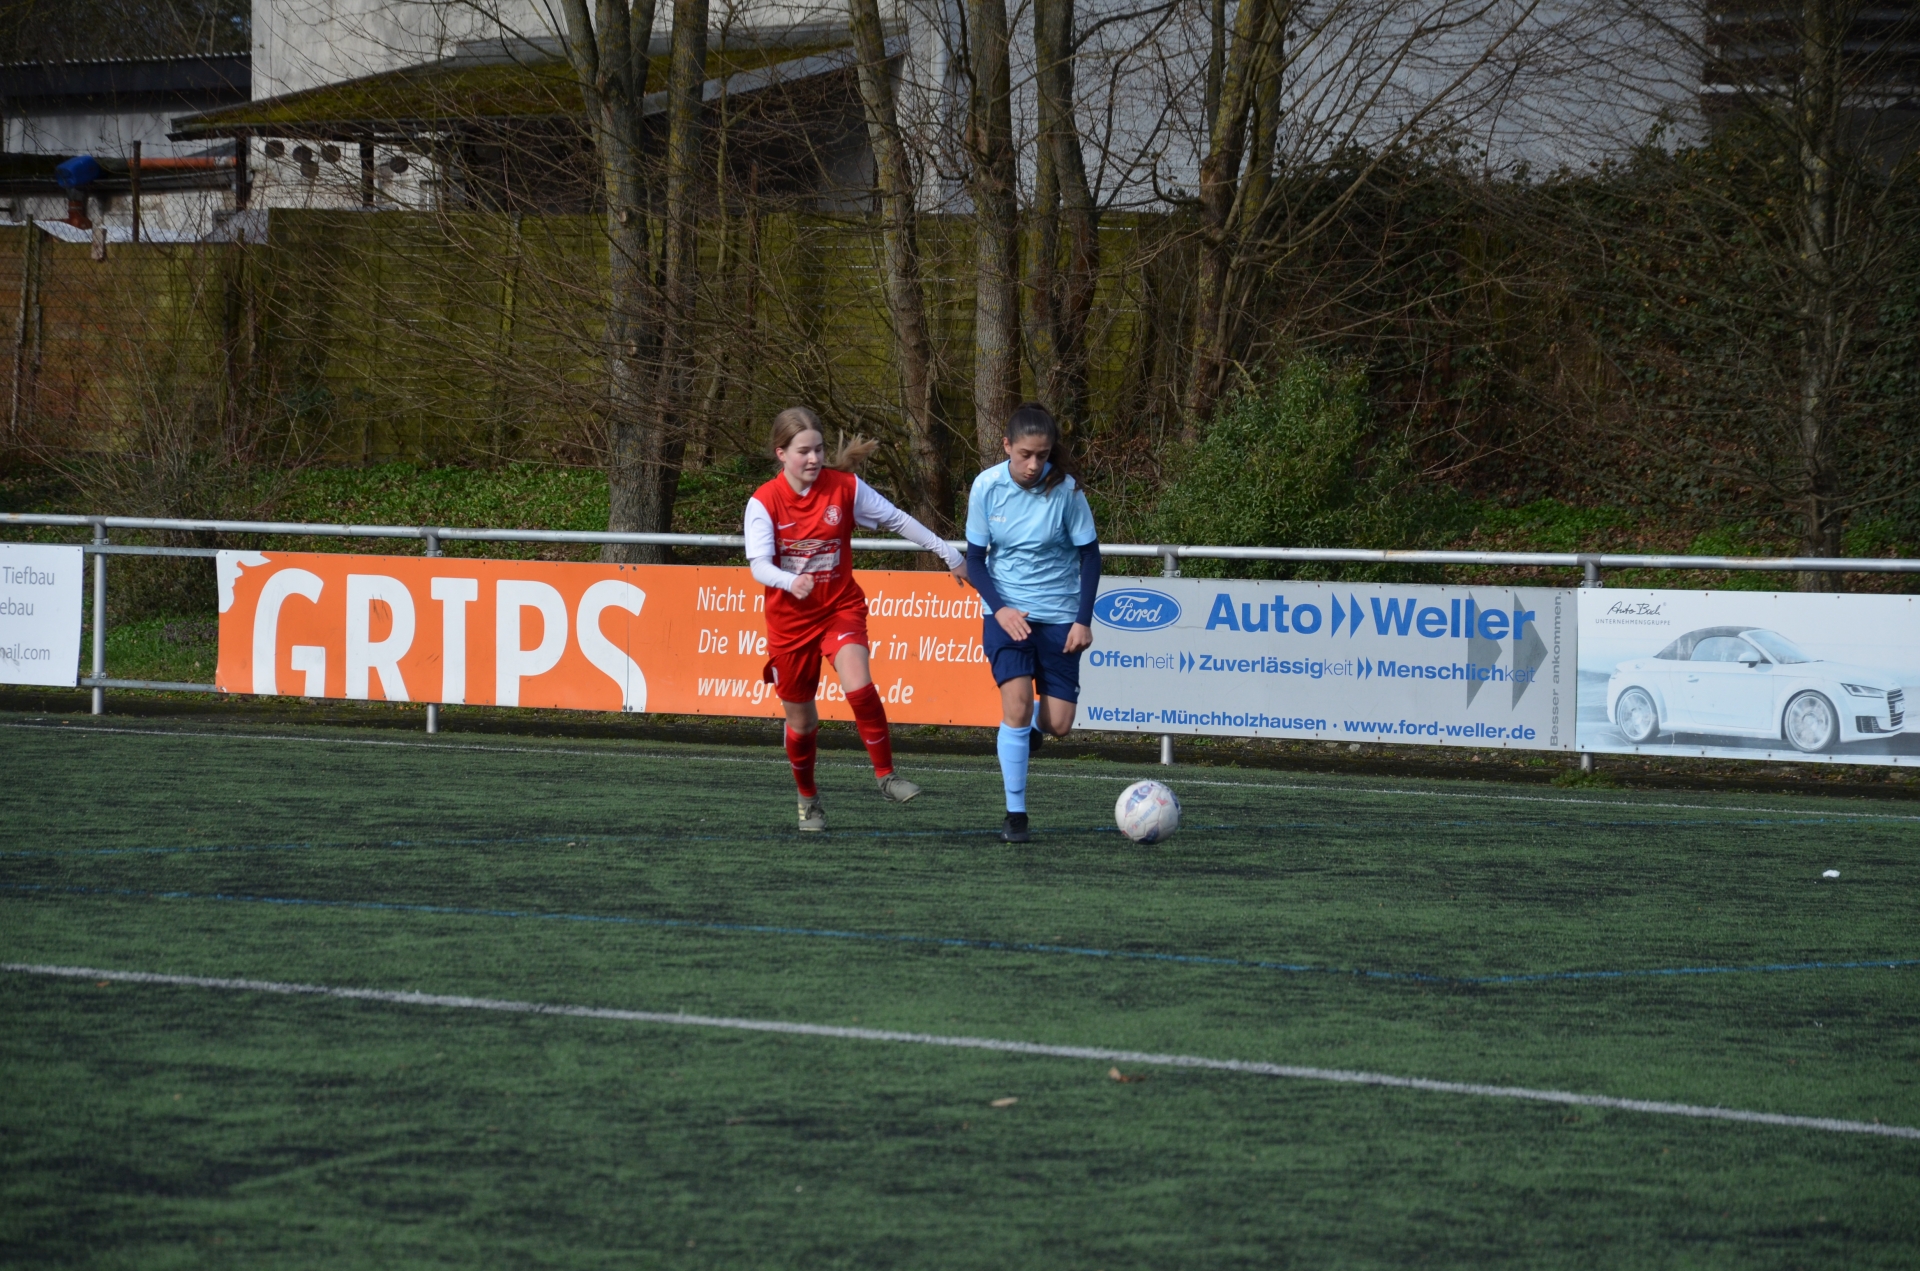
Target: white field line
x,y
1098,1053
1154,769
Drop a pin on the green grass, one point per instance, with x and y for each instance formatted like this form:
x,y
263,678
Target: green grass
x,y
179,650
157,1127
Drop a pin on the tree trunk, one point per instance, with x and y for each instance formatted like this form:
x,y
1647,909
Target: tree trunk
x,y
1820,319
996,312
893,172
1043,221
1216,54
1264,143
673,385
611,62
1070,302
1219,188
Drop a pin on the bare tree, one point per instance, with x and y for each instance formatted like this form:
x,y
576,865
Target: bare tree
x,y
685,179
1256,31
1748,270
1063,292
906,301
609,52
1313,102
993,178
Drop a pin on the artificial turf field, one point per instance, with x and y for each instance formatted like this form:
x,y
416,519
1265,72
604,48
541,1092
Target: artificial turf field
x,y
151,1125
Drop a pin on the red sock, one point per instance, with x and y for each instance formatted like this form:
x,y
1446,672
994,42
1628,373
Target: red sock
x,y
870,717
800,752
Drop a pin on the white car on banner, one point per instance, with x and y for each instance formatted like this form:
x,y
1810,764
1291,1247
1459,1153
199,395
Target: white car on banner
x,y
1749,675
1751,682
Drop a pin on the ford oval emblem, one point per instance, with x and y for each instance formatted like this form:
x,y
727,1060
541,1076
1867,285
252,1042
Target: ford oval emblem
x,y
1137,609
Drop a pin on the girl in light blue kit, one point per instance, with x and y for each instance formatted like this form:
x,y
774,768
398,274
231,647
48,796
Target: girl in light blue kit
x,y
1034,556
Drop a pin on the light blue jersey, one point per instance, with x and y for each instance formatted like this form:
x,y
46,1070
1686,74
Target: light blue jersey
x,y
1033,540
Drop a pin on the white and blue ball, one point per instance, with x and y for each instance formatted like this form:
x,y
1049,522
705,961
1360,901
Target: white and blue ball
x,y
1147,812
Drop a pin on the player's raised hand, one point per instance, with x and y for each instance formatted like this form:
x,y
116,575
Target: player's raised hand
x,y
802,587
1013,622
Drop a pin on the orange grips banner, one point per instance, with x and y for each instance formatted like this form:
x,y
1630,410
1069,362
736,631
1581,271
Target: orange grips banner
x,y
673,639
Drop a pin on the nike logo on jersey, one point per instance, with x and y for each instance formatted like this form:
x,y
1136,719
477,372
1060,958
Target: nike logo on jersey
x,y
787,525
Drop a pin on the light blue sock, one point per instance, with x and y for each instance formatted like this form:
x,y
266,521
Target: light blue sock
x,y
1014,748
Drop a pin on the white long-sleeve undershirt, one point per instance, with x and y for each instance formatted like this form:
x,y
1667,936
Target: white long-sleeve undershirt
x,y
871,510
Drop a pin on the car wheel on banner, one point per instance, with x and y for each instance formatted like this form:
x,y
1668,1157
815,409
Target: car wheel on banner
x,y
1811,724
1638,717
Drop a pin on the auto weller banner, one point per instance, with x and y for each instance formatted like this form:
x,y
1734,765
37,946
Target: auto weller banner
x,y
671,639
40,593
1349,662
1748,675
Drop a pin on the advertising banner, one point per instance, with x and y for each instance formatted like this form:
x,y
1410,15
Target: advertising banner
x,y
671,639
40,592
1351,662
1748,674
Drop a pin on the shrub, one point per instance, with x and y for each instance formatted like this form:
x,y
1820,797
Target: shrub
x,y
1292,462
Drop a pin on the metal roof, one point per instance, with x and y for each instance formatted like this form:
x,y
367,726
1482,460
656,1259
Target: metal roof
x,y
227,75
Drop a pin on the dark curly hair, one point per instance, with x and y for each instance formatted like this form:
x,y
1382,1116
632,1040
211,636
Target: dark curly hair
x,y
1031,419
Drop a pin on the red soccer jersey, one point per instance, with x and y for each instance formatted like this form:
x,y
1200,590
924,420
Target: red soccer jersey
x,y
812,534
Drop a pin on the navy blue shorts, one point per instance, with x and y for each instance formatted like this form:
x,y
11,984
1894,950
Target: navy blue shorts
x,y
1043,655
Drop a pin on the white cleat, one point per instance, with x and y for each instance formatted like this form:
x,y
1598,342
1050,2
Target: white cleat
x,y
813,817
897,789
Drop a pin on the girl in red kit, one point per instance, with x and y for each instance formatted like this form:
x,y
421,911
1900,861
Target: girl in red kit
x,y
800,546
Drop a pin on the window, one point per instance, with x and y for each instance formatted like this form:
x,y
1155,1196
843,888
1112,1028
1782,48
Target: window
x,y
1724,649
1779,648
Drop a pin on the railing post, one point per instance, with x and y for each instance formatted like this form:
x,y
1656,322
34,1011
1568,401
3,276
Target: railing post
x,y
1169,568
99,617
1590,565
433,708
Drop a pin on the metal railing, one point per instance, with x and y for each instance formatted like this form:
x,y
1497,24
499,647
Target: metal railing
x,y
1170,555
1588,561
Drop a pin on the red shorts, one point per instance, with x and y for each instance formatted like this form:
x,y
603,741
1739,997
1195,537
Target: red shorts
x,y
794,672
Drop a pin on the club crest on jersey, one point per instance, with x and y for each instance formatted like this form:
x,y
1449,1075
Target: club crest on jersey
x,y
833,514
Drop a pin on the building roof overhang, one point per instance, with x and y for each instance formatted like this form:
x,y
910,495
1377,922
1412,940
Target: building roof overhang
x,y
528,83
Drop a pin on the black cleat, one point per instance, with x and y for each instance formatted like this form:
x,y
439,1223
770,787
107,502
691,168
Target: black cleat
x,y
1034,738
1015,830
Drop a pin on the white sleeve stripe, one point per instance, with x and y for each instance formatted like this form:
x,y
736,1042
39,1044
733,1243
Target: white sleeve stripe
x,y
871,508
760,548
759,531
768,574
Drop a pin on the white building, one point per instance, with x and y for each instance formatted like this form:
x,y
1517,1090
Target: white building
x,y
51,112
1506,81
411,104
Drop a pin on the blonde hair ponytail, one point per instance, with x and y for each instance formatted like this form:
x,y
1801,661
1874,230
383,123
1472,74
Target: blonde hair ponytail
x,y
854,451
794,420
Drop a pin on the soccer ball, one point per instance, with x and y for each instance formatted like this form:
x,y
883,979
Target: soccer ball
x,y
1147,812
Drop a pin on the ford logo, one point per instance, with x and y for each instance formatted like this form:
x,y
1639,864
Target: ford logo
x,y
1137,609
